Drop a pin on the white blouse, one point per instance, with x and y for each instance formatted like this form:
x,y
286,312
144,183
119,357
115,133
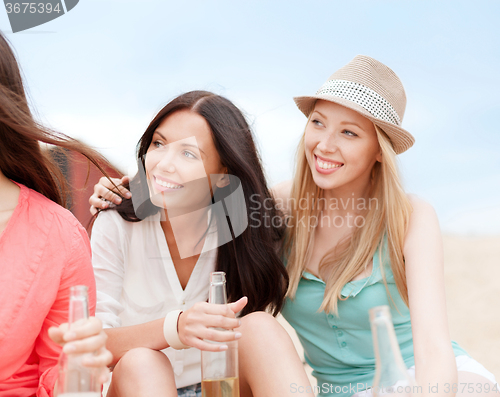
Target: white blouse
x,y
137,282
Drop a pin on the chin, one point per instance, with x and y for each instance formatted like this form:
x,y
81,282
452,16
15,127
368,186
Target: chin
x,y
323,182
160,201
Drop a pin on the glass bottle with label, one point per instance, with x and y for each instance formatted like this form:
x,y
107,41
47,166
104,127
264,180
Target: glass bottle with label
x,y
76,380
391,376
219,370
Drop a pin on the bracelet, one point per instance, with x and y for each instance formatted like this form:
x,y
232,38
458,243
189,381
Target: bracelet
x,y
170,331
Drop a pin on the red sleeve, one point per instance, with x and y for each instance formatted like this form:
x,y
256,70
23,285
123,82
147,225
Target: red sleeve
x,y
77,271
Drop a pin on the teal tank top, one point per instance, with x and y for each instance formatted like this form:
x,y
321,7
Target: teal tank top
x,y
340,348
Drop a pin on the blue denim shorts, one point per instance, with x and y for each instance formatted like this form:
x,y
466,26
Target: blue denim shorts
x,y
190,391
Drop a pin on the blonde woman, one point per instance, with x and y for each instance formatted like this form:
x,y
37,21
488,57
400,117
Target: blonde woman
x,y
361,242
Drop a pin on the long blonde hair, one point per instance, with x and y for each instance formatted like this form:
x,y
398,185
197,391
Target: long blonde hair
x,y
349,258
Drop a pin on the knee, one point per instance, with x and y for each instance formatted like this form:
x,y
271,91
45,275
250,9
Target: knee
x,y
139,361
263,336
260,324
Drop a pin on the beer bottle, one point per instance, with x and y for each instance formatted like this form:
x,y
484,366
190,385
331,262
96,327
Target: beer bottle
x,y
391,376
219,370
76,380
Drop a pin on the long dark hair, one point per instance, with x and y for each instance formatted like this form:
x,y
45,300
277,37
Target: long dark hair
x,y
21,158
250,260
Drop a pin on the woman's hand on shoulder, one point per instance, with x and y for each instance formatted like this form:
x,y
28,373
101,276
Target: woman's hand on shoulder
x,y
85,337
199,323
105,193
281,193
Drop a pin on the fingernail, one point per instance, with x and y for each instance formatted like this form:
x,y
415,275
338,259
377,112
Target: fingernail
x,y
69,348
237,335
223,347
118,200
239,323
104,206
128,195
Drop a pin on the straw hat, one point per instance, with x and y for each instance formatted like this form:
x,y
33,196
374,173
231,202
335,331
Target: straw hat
x,y
370,88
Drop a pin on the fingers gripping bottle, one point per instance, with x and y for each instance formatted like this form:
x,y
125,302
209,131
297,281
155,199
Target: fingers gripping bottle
x,y
391,376
219,370
76,380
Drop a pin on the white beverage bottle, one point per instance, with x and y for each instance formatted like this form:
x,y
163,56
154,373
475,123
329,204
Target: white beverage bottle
x,y
219,370
76,380
391,376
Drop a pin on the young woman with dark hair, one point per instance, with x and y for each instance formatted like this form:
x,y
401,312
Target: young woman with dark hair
x,y
43,249
152,256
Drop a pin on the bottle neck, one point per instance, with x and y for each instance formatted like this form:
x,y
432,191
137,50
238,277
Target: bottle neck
x,y
78,304
386,346
217,291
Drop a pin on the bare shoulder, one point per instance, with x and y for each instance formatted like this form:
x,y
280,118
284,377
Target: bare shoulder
x,y
423,227
282,190
281,193
420,206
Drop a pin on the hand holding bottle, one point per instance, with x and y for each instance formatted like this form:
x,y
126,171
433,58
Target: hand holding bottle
x,y
80,373
219,369
88,337
199,322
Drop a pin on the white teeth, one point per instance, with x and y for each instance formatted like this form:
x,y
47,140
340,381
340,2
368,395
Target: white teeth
x,y
167,184
326,166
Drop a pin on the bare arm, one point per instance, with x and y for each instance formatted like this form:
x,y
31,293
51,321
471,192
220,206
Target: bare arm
x,y
194,325
423,252
123,339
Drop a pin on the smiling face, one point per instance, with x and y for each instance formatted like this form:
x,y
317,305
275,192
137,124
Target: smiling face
x,y
341,147
179,159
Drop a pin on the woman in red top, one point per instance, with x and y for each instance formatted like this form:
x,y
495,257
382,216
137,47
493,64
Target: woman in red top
x,y
43,251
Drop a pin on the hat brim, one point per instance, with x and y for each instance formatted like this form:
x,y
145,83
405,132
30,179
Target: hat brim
x,y
401,139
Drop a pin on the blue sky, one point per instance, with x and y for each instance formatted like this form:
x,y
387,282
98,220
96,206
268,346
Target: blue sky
x,y
100,72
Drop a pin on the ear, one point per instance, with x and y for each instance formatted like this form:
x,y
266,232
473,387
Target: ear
x,y
379,156
224,180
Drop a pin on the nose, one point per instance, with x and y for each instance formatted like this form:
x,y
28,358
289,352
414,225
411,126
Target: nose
x,y
167,162
328,143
